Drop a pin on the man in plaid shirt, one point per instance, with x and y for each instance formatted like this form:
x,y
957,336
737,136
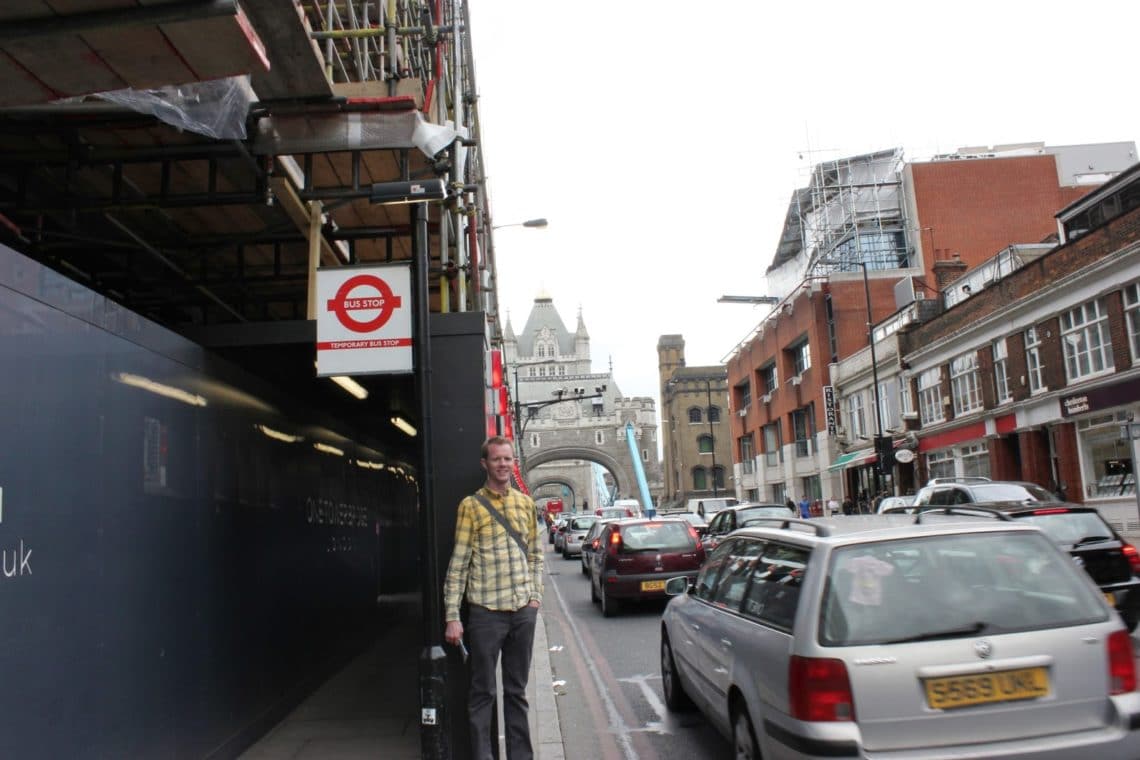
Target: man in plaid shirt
x,y
497,563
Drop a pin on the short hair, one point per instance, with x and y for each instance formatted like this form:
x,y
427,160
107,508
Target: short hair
x,y
495,440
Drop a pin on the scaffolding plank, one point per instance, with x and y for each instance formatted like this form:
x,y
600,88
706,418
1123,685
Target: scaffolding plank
x,y
219,47
296,69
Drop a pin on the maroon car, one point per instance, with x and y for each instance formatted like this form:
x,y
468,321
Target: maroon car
x,y
634,558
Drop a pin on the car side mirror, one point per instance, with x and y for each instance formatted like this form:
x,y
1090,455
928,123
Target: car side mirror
x,y
676,586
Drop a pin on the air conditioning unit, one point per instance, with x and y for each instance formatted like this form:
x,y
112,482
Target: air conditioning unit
x,y
796,380
742,412
766,398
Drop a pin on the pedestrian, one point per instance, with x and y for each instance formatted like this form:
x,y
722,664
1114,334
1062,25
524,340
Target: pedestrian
x,y
791,505
832,506
497,566
805,507
848,506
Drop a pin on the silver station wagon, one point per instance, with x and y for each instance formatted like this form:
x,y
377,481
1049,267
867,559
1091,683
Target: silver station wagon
x,y
901,636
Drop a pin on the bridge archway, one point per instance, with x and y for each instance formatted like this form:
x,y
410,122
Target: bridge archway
x,y
622,472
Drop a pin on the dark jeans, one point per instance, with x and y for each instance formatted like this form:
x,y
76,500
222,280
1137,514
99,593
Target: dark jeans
x,y
489,633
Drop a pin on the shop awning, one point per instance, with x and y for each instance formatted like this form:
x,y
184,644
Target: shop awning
x,y
854,459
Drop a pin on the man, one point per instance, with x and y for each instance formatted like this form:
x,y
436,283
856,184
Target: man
x,y
832,507
805,507
497,563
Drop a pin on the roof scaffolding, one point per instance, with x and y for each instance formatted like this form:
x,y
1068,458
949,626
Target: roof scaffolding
x,y
851,212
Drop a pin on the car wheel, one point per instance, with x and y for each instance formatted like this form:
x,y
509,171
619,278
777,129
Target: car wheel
x,y
743,737
675,697
593,593
585,570
1131,619
610,606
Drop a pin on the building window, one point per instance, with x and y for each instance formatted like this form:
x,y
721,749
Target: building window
x,y
772,444
1001,372
752,494
1132,312
930,396
542,371
742,395
530,372
964,388
769,380
718,476
906,400
534,440
779,493
714,414
700,479
694,414
705,444
1085,339
599,437
856,416
645,455
541,350
889,403
975,460
803,428
561,370
747,455
801,357
940,464
1106,459
1033,361
809,487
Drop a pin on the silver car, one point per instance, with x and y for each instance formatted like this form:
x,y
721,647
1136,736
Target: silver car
x,y
574,533
901,636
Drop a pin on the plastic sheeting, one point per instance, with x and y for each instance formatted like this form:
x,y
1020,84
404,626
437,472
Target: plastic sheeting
x,y
216,108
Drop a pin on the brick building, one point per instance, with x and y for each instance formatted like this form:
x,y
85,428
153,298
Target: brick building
x,y
1034,374
869,235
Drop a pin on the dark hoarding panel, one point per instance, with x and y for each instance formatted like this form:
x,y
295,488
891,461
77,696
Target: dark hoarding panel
x,y
178,556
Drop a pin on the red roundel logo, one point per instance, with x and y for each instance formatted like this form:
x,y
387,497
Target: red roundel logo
x,y
375,295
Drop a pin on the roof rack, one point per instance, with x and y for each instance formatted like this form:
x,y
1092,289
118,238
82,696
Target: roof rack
x,y
969,510
786,522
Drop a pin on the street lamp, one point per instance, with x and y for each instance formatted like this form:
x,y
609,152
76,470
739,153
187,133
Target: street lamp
x,y
539,223
755,300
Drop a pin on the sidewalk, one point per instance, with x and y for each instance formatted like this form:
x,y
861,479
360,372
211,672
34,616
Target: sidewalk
x,y
370,708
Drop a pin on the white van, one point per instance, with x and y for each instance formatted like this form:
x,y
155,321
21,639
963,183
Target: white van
x,y
709,506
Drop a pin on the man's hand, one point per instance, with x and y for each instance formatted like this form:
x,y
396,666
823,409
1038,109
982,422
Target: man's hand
x,y
453,634
534,603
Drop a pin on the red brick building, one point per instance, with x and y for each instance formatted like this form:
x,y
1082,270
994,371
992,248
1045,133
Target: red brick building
x,y
863,225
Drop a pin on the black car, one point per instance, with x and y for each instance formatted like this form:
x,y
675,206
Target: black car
x,y
1110,561
731,518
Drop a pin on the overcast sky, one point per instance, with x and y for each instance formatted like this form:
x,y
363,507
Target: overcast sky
x,y
662,140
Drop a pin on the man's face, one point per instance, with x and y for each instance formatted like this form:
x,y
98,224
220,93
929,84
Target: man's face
x,y
499,462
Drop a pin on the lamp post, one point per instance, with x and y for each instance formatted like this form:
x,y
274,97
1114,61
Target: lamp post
x,y
538,223
712,436
882,450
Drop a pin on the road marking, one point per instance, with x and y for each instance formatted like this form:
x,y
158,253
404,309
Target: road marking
x,y
618,726
660,725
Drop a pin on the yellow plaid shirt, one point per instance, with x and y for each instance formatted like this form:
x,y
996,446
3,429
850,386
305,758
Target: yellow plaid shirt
x,y
487,563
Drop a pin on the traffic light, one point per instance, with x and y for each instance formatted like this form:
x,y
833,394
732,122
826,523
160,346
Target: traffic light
x,y
885,450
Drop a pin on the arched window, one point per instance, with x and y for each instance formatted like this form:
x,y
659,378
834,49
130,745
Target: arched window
x,y
694,414
714,414
705,444
718,476
541,349
700,479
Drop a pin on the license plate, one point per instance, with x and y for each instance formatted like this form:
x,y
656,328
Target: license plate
x,y
653,585
1110,598
981,688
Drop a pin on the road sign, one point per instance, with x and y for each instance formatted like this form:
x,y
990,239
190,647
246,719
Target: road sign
x,y
364,320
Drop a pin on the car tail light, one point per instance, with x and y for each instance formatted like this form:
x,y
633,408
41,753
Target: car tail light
x,y
1051,511
819,689
615,542
1133,557
1121,664
693,534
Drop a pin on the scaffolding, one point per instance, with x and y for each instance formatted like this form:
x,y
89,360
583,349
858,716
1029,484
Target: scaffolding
x,y
420,49
851,212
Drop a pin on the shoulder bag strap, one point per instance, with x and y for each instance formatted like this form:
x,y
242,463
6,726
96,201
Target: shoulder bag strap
x,y
502,521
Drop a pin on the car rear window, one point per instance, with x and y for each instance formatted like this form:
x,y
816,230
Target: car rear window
x,y
938,587
656,536
1069,527
751,513
582,523
1008,492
